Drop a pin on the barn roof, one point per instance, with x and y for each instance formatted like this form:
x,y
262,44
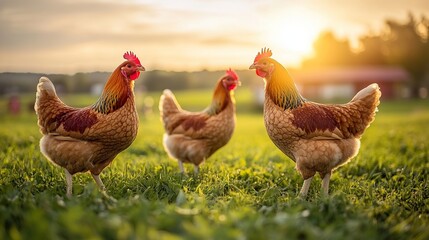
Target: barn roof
x,y
351,74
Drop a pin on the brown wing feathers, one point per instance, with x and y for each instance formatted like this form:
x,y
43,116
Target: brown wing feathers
x,y
77,120
350,119
311,117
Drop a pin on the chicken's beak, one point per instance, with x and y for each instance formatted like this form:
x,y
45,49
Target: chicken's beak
x,y
253,66
141,69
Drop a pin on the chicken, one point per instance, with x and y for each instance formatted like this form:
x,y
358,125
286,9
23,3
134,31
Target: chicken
x,y
193,137
88,139
317,137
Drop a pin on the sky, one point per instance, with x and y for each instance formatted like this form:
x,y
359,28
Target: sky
x,y
69,36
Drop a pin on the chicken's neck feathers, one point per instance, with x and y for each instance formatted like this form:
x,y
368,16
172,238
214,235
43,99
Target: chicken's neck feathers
x,y
115,94
282,90
221,99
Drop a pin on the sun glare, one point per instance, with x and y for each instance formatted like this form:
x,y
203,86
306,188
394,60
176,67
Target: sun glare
x,y
293,33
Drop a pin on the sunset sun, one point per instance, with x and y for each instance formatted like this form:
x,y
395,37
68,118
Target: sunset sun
x,y
293,33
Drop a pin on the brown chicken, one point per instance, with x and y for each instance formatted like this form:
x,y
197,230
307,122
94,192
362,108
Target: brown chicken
x,y
193,137
318,137
88,139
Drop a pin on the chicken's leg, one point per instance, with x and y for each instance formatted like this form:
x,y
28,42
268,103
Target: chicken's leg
x,y
325,183
305,187
100,184
182,170
69,183
196,169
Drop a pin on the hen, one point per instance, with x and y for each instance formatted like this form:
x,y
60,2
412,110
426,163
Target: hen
x,y
318,137
193,137
88,139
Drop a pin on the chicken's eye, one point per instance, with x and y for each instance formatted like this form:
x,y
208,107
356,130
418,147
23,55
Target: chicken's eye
x,y
128,65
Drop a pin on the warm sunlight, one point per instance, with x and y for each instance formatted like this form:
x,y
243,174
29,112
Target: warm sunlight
x,y
293,32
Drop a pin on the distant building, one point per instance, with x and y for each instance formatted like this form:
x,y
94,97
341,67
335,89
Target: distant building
x,y
97,89
346,82
14,104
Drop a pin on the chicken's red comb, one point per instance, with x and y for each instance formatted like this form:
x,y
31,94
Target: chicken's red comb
x,y
130,56
264,53
232,74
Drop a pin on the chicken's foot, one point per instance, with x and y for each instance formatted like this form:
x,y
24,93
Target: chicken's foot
x,y
305,187
325,183
69,183
100,184
182,170
196,169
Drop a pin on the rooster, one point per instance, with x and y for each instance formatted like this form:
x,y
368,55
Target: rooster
x,y
88,139
317,137
193,137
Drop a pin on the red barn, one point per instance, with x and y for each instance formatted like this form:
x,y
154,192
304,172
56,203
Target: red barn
x,y
346,82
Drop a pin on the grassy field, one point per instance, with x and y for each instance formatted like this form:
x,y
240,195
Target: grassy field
x,y
247,190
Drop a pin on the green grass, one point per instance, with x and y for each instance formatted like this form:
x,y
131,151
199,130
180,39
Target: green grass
x,y
247,190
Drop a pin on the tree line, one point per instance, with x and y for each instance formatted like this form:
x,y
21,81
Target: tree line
x,y
404,44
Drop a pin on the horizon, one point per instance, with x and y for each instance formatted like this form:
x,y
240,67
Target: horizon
x,y
69,37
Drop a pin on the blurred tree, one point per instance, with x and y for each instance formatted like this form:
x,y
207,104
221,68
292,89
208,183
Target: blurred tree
x,y
402,44
330,51
373,51
68,83
408,46
159,80
80,82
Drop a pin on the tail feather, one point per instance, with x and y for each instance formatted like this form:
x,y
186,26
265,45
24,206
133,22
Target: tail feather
x,y
46,84
366,102
47,103
372,90
44,88
168,103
